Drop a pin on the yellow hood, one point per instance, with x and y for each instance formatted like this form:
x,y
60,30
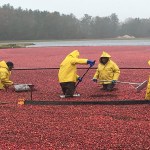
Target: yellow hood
x,y
149,62
3,64
74,54
104,54
68,69
4,75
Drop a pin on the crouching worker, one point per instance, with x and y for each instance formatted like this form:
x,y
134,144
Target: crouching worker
x,y
5,72
147,96
107,72
68,72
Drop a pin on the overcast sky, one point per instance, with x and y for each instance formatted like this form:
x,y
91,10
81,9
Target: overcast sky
x,y
123,8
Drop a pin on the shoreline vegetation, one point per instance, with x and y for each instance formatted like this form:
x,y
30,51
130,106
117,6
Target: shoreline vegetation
x,y
15,45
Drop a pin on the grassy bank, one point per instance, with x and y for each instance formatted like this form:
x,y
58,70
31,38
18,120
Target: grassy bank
x,y
14,45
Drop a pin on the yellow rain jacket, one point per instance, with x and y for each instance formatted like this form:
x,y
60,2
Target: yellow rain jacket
x,y
109,71
4,75
68,69
147,96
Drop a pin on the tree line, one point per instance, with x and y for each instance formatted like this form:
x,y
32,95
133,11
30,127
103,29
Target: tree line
x,y
19,24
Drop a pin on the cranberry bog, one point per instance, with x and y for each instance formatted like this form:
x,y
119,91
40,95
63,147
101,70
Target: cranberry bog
x,y
90,126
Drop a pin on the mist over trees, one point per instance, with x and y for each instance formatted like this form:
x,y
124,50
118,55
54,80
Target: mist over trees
x,y
19,24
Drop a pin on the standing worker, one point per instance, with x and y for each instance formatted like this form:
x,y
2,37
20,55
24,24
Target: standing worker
x,y
147,96
107,72
68,72
5,72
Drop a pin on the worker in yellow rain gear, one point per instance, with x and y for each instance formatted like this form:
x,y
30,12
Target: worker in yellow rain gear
x,y
68,72
5,72
107,72
147,96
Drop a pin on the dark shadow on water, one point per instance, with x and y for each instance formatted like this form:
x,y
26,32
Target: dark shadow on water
x,y
103,95
114,89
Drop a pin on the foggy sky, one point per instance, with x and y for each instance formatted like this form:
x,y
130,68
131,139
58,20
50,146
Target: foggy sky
x,y
123,8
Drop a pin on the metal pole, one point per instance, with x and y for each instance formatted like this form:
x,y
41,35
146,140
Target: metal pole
x,y
31,89
84,75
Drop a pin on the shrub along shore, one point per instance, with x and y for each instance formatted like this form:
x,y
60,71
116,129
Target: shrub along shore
x,y
15,45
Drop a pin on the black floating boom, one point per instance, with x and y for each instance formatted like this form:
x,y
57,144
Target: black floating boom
x,y
118,102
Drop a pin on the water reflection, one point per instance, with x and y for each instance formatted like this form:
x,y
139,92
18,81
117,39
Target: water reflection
x,y
92,43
